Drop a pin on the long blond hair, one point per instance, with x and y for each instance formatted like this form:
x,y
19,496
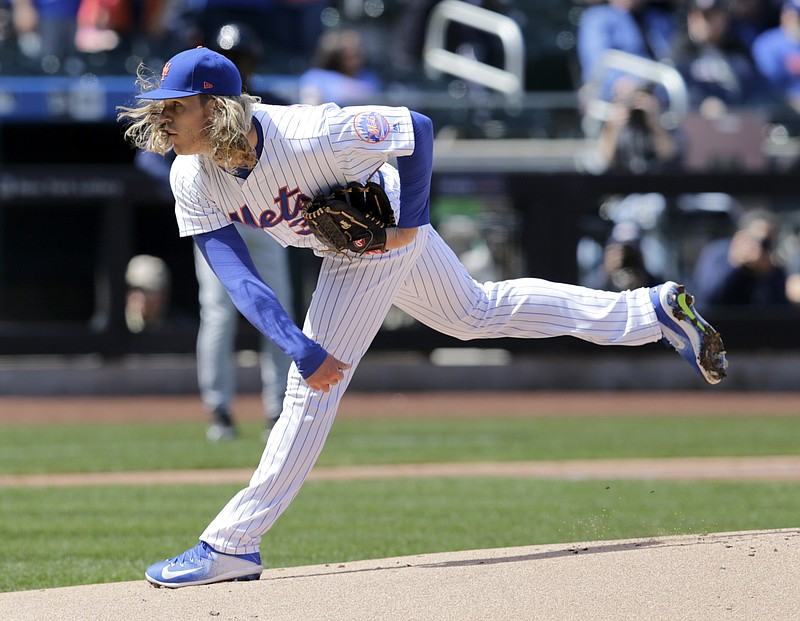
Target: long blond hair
x,y
227,127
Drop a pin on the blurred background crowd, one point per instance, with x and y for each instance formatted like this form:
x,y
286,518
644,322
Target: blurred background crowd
x,y
614,89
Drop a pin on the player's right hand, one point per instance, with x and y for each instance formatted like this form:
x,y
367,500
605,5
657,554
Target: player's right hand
x,y
328,375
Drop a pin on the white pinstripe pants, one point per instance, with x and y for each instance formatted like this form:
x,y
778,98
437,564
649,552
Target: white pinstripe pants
x,y
427,281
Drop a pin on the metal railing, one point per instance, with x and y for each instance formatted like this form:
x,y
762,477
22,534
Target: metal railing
x,y
598,109
437,59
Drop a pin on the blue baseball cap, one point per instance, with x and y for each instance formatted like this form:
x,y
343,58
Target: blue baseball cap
x,y
195,72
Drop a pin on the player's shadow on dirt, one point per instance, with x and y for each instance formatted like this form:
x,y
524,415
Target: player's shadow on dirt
x,y
539,556
536,556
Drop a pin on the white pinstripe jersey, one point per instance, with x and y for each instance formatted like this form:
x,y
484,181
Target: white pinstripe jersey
x,y
306,150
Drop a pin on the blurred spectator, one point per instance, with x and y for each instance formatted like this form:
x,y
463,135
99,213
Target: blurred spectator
x,y
633,139
339,73
793,278
105,25
714,62
147,302
45,29
630,26
777,54
742,270
623,265
749,18
99,23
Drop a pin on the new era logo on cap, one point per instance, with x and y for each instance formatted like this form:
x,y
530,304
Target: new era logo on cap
x,y
194,72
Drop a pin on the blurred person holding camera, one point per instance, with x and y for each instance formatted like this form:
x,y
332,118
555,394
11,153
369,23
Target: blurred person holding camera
x,y
742,270
633,139
339,72
623,265
793,278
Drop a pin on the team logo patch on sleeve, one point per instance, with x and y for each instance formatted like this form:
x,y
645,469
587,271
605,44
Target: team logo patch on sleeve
x,y
371,126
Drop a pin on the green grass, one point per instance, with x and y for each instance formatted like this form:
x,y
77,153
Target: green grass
x,y
58,537
111,447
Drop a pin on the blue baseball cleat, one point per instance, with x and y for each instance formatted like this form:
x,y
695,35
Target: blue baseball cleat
x,y
204,565
688,333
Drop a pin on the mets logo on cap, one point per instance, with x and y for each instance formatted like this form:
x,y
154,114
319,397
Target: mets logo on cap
x,y
165,70
371,126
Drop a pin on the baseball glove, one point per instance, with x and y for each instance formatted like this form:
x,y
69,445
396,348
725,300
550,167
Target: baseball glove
x,y
351,218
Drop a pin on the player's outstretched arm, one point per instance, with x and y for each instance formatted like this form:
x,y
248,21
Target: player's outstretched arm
x,y
329,373
227,254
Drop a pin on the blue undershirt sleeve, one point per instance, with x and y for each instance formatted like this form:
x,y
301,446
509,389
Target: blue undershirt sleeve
x,y
227,254
415,175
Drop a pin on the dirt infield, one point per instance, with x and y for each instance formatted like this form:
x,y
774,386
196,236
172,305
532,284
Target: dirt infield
x,y
772,468
746,576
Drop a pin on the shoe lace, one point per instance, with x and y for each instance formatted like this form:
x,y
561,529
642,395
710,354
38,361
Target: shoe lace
x,y
201,551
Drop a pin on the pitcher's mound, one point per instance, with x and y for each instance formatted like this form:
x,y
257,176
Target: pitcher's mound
x,y
743,575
